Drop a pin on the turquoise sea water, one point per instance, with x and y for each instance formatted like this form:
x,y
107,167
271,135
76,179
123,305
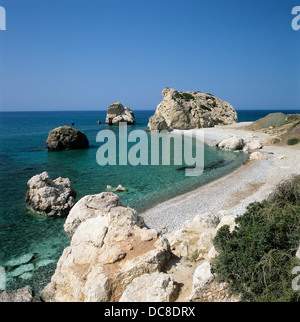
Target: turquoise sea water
x,y
23,154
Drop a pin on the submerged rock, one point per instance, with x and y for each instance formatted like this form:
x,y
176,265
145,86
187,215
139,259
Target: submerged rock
x,y
24,259
50,198
66,138
21,270
190,110
116,114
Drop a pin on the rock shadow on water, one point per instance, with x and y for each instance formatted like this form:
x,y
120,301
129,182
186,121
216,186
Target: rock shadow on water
x,y
36,149
208,167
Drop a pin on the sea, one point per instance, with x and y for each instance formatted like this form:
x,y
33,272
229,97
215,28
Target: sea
x,y
31,244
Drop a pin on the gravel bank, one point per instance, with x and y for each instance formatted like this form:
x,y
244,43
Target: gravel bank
x,y
253,181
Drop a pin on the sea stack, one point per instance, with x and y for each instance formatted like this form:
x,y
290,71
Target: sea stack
x,y
116,113
66,138
191,110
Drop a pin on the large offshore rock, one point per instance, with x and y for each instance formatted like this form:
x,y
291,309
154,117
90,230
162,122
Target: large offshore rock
x,y
107,251
116,113
66,138
191,110
50,197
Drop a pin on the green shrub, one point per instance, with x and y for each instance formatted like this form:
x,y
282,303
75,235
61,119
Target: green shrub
x,y
287,191
205,108
187,96
295,125
293,141
257,258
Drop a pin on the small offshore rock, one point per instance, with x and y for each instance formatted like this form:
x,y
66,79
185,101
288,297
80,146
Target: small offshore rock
x,y
66,138
49,197
120,188
116,113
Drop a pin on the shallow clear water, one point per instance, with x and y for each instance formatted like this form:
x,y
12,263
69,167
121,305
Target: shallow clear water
x,y
23,154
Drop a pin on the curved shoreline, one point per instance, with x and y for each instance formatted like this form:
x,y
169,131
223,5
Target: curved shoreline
x,y
252,181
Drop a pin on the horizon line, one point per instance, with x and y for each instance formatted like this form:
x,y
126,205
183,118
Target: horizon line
x,y
143,110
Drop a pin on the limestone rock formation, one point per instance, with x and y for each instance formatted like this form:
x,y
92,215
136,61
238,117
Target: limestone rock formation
x,y
201,281
231,143
66,138
254,145
108,250
20,295
258,156
195,237
116,113
157,287
50,197
158,123
191,110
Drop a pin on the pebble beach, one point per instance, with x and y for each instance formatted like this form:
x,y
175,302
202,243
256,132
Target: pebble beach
x,y
252,181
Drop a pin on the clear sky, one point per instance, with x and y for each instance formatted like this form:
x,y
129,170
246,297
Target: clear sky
x,y
86,54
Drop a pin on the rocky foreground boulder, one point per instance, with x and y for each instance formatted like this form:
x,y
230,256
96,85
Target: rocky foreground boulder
x,y
20,295
112,257
108,250
50,197
157,287
191,110
66,138
116,113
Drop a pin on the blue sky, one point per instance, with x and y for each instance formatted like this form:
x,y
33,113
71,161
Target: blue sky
x,y
84,55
